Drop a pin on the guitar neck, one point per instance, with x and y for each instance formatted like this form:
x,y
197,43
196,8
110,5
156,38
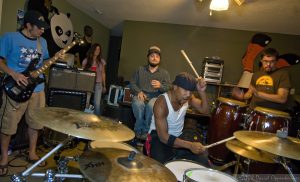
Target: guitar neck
x,y
49,62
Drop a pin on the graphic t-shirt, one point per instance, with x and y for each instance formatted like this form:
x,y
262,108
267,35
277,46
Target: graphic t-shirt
x,y
19,50
269,83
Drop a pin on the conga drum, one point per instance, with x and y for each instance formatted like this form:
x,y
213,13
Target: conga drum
x,y
265,120
225,120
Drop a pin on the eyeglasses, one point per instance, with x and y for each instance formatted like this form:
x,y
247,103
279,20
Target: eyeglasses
x,y
268,62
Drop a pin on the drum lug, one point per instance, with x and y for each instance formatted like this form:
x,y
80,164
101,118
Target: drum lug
x,y
247,161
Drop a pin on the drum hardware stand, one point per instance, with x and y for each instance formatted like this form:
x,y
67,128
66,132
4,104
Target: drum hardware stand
x,y
283,162
225,166
62,167
22,177
51,176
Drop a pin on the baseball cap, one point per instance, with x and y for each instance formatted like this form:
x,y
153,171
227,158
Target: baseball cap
x,y
35,18
153,49
186,81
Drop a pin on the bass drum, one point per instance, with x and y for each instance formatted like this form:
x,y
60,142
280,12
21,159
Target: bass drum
x,y
52,138
225,120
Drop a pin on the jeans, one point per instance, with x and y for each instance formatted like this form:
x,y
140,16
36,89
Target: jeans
x,y
164,153
143,114
97,98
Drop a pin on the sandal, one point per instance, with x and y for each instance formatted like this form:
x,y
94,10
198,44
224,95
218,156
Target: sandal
x,y
32,161
4,168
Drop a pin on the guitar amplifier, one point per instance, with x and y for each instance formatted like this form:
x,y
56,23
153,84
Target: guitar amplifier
x,y
71,79
127,98
114,95
66,99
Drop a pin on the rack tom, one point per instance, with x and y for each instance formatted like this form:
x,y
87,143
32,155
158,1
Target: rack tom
x,y
179,166
205,174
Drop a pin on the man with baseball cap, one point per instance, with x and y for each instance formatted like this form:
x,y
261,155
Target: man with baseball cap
x,y
17,50
164,141
147,83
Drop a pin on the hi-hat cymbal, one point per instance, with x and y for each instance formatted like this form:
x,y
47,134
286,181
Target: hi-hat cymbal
x,y
108,164
82,125
286,147
247,151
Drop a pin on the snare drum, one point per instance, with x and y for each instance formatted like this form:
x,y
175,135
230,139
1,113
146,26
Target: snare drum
x,y
178,167
205,174
267,120
225,120
124,146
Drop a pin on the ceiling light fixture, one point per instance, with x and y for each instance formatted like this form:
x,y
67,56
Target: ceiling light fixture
x,y
218,5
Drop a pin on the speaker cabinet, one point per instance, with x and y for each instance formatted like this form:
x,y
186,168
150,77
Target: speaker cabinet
x,y
127,95
67,99
114,95
71,79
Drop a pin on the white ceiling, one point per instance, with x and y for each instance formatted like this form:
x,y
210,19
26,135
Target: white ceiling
x,y
274,16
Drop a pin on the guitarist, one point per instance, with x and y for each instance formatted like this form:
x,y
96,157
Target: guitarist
x,y
18,49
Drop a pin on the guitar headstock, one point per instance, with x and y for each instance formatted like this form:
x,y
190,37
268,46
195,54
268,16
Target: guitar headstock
x,y
78,38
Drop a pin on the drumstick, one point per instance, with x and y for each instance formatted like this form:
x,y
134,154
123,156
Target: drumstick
x,y
190,63
219,142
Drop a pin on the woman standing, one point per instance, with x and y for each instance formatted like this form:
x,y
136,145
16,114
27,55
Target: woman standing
x,y
94,62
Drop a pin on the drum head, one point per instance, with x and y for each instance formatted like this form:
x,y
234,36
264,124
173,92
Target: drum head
x,y
205,174
179,166
272,112
117,145
232,102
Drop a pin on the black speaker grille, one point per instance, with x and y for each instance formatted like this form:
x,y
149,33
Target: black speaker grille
x,y
67,99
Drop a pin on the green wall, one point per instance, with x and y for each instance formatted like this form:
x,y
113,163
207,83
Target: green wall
x,y
198,42
78,18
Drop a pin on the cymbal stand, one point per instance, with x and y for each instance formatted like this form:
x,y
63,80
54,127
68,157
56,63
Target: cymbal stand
x,y
51,176
22,177
283,162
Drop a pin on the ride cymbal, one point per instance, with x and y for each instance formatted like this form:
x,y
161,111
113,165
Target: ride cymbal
x,y
286,147
82,125
247,151
111,164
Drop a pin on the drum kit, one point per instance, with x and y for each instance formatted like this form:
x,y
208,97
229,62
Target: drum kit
x,y
106,160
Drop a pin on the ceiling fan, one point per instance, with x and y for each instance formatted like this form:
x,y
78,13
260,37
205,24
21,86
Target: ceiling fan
x,y
222,5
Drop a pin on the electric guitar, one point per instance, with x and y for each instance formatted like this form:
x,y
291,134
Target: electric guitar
x,y
22,93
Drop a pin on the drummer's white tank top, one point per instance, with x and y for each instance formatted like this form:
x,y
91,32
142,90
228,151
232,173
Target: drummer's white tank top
x,y
175,119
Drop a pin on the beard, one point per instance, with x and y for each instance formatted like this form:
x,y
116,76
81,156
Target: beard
x,y
153,64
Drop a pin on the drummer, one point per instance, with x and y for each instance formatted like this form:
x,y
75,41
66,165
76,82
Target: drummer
x,y
163,141
269,86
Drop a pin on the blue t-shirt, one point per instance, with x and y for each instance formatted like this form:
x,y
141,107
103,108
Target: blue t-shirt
x,y
18,51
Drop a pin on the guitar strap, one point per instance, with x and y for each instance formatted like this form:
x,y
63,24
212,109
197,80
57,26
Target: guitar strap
x,y
39,45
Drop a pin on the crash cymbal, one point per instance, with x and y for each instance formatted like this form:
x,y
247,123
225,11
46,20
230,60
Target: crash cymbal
x,y
82,125
247,151
286,147
111,164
